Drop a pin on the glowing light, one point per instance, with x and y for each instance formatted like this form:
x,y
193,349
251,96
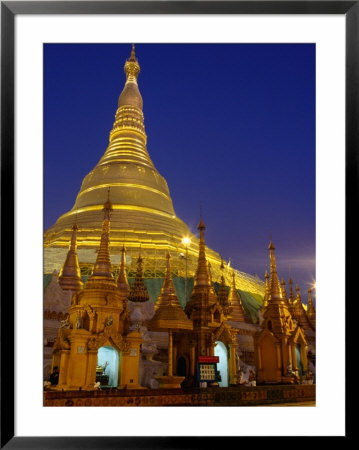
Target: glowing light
x,y
186,241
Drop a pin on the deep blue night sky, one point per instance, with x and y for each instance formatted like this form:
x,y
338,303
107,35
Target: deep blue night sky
x,y
228,125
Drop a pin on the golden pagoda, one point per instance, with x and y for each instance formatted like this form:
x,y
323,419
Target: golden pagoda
x,y
98,318
143,213
280,345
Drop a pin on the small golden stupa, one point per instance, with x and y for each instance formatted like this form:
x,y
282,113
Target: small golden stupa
x,y
169,316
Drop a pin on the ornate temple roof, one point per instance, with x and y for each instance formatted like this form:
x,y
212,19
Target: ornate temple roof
x,y
169,312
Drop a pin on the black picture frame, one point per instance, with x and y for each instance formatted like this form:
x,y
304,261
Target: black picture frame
x,y
9,10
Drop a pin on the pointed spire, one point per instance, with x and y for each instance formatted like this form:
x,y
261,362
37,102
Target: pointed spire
x,y
266,292
203,295
210,278
102,267
274,286
291,294
122,281
133,56
70,274
138,291
132,68
202,277
168,291
222,292
236,310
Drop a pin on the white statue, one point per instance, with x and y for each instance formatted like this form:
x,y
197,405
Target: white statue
x,y
65,323
79,320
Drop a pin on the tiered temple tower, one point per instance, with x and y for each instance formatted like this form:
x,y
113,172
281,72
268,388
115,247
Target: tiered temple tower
x,y
143,212
280,345
209,321
98,317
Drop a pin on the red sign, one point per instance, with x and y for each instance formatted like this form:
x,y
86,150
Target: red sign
x,y
208,359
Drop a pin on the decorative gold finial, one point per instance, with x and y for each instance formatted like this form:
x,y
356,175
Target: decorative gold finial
x,y
133,56
132,68
122,281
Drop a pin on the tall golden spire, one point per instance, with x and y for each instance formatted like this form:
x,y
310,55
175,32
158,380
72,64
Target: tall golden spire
x,y
138,292
222,293
102,267
277,315
122,281
236,310
168,292
283,289
266,293
291,294
70,275
203,295
274,285
202,277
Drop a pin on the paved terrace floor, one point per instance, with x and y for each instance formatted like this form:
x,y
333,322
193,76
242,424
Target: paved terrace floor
x,y
278,395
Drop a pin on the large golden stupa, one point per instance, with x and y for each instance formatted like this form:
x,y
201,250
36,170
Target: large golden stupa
x,y
143,217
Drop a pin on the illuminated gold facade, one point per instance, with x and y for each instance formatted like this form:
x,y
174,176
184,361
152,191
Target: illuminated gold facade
x,y
143,213
280,344
98,317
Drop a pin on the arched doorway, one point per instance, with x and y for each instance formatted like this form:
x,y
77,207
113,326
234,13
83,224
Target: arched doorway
x,y
181,367
107,366
299,360
221,350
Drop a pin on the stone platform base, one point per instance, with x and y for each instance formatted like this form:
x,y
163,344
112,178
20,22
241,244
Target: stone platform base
x,y
216,396
169,382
